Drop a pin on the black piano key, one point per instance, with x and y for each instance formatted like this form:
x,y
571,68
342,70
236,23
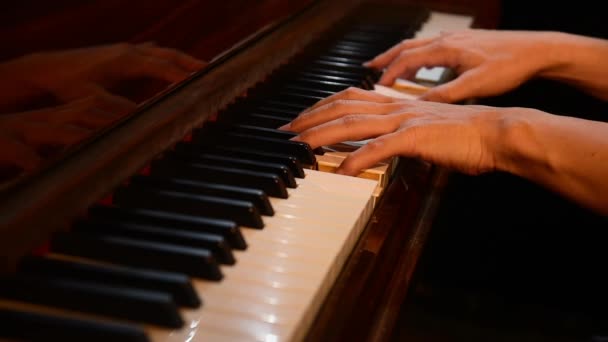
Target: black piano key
x,y
323,89
242,212
380,41
298,149
215,243
327,85
262,131
177,284
121,302
355,46
246,164
251,153
196,262
269,133
289,88
341,59
270,183
226,228
278,103
18,325
320,75
270,121
255,196
351,68
296,98
273,112
347,53
364,79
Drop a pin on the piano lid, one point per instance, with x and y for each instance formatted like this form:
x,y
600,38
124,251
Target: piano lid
x,y
70,70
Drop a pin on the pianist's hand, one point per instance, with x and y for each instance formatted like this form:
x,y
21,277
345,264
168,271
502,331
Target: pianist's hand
x,y
454,136
29,137
568,155
491,62
77,73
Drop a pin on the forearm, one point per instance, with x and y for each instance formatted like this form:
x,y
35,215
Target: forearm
x,y
567,155
579,61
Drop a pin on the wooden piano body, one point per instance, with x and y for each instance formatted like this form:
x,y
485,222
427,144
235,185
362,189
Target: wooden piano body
x,y
365,299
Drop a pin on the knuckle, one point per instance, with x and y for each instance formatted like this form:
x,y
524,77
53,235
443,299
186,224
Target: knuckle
x,y
350,121
375,145
337,105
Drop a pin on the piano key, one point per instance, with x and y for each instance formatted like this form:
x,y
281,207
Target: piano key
x,y
226,228
352,68
319,75
255,196
178,285
282,283
19,325
348,53
278,103
122,302
241,211
289,87
300,150
296,98
246,164
330,86
285,159
215,243
270,183
131,252
269,133
270,121
366,79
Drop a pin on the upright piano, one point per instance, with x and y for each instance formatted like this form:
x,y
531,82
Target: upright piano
x,y
194,218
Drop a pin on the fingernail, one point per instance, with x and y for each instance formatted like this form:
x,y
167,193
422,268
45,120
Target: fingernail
x,y
285,127
366,64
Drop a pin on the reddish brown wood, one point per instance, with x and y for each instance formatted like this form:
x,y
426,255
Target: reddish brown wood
x,y
201,28
366,298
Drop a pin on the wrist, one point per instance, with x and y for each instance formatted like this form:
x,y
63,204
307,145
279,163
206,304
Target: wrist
x,y
517,146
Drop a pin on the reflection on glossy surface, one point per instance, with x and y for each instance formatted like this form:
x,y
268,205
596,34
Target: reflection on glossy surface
x,y
54,99
69,68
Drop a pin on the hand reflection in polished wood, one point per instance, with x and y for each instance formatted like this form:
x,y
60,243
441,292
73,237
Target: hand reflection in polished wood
x,y
81,83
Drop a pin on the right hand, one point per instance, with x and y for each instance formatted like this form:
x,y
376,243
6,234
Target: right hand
x,y
487,62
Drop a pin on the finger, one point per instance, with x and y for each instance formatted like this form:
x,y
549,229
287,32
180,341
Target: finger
x,y
385,58
352,93
335,110
409,62
177,57
375,151
15,153
465,86
349,128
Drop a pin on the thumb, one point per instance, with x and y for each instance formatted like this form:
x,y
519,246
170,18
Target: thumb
x,y
461,88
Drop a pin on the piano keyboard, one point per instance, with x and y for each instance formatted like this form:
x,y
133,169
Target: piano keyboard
x,y
233,235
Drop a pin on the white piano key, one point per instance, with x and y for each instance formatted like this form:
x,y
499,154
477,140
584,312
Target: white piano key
x,y
439,22
279,282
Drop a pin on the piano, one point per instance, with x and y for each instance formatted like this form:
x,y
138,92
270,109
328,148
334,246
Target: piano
x,y
194,219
